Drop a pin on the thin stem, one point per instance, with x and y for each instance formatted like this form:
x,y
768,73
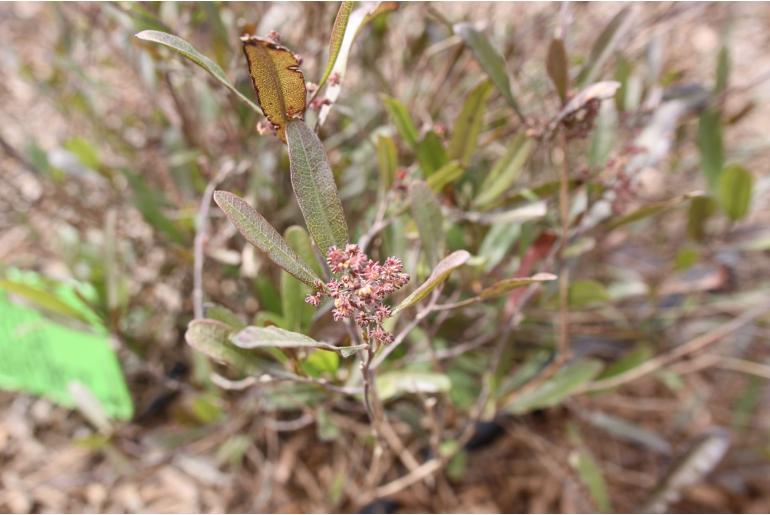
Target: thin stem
x,y
679,351
201,234
564,201
400,337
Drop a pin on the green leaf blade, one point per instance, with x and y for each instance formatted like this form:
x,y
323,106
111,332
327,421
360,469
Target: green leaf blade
x,y
604,46
490,59
212,338
468,124
315,189
439,275
505,172
710,146
507,285
185,49
559,387
403,122
336,38
735,187
445,175
426,211
431,154
394,384
262,235
297,313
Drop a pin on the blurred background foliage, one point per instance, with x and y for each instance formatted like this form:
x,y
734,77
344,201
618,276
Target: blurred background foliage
x,y
108,143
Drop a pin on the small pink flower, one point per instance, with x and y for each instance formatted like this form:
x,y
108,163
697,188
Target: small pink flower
x,y
360,288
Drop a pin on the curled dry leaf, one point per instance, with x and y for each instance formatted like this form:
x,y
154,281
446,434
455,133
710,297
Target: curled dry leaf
x,y
277,80
595,92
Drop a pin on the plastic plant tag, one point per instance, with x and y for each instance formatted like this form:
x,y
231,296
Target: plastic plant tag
x,y
43,357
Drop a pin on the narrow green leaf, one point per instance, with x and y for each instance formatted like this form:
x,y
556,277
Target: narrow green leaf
x,y
505,172
649,210
85,152
557,65
490,59
604,135
320,362
403,121
437,276
592,477
357,19
212,338
710,145
262,235
604,46
701,209
387,161
42,298
497,243
395,384
688,469
631,359
559,387
426,211
623,70
335,39
735,187
628,431
445,175
506,285
585,292
297,313
299,241
723,70
314,186
468,123
431,154
184,48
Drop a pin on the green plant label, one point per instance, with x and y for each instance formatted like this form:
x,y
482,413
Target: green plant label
x,y
43,357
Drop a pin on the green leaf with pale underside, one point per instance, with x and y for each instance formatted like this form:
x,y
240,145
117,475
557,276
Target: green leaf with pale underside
x,y
335,40
314,186
211,337
253,337
262,235
394,384
185,49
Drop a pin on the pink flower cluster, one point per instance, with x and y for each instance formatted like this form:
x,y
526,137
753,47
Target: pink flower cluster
x,y
360,288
